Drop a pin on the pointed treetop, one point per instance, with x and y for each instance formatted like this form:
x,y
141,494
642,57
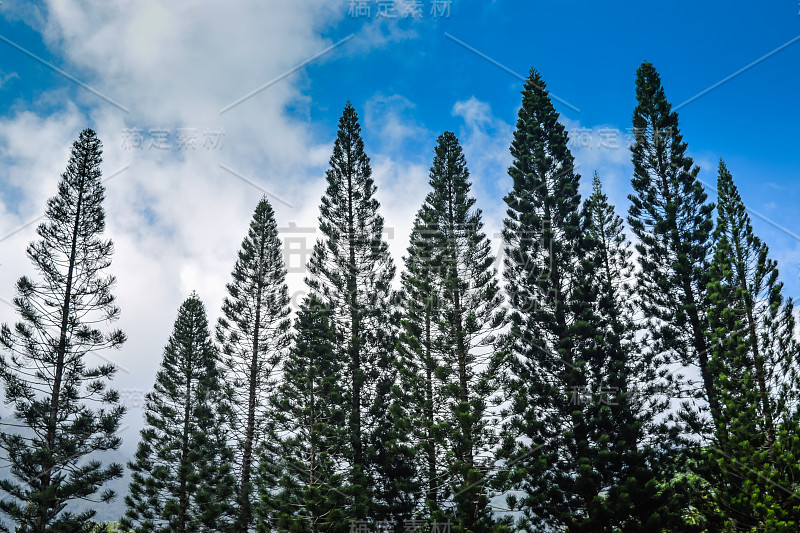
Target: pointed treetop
x,y
192,307
537,126
734,228
535,81
449,163
652,102
348,141
648,81
86,136
727,191
597,187
264,208
349,118
535,88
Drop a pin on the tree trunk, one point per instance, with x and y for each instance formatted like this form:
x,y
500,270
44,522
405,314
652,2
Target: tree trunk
x,y
49,464
245,511
429,411
757,359
355,320
183,498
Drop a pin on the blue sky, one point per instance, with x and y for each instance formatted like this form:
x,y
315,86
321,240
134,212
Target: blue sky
x,y
178,216
587,52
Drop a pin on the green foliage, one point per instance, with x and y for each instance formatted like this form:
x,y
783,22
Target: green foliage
x,y
672,221
448,362
181,476
63,411
753,358
547,436
108,527
254,335
626,447
301,479
351,271
379,407
582,435
418,403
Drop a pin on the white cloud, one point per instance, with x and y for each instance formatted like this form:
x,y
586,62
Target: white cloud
x,y
5,78
177,218
29,168
604,149
387,120
379,32
485,139
402,186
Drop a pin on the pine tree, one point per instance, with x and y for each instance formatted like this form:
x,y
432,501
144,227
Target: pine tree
x,y
672,221
303,491
467,317
254,335
351,271
625,465
182,479
418,394
753,360
551,315
62,406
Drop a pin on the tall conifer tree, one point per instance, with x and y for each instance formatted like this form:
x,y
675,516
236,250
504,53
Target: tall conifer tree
x,y
254,335
624,472
63,409
467,317
303,490
548,320
419,389
182,474
582,406
447,360
351,271
671,218
753,360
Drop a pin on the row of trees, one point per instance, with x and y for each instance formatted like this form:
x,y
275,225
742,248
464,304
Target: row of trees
x,y
594,385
